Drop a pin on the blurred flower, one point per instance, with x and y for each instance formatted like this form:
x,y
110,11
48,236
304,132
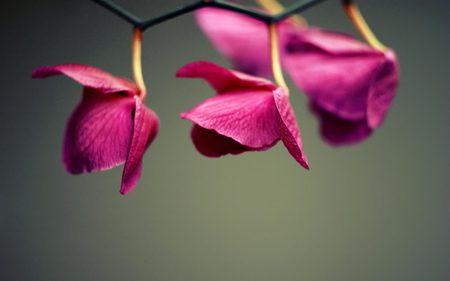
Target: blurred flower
x,y
109,127
350,84
247,114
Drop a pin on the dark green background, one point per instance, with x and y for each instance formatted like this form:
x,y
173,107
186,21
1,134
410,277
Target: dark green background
x,y
376,211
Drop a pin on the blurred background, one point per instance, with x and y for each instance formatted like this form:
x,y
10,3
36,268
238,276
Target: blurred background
x,y
375,211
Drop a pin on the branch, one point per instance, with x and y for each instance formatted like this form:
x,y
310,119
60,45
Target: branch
x,y
225,5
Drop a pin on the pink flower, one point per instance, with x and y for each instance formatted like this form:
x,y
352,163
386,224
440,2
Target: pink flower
x,y
109,127
350,85
247,114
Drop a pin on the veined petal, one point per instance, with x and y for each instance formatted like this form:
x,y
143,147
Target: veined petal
x,y
145,129
240,38
250,118
288,128
212,144
339,132
223,79
88,76
98,133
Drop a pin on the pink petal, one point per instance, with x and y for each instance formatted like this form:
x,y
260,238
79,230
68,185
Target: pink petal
x,y
212,144
382,91
288,128
88,76
337,131
223,79
240,38
336,71
250,118
98,133
145,129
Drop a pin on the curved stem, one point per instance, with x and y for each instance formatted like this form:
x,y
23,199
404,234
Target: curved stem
x,y
275,58
137,62
276,7
360,23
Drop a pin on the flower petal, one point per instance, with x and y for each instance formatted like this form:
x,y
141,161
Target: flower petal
x,y
212,144
288,128
337,131
382,90
88,76
250,118
145,129
242,39
336,71
98,133
223,79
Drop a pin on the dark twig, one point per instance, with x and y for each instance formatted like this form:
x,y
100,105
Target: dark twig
x,y
259,15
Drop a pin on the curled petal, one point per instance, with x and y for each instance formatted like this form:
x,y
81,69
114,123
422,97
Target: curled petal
x,y
212,144
145,129
98,133
223,79
288,128
339,132
88,76
382,91
250,118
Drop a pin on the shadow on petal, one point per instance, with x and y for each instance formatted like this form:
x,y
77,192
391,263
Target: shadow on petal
x,y
340,132
212,144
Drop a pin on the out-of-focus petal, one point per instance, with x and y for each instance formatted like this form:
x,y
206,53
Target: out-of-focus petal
x,y
288,128
88,76
339,76
212,144
223,79
337,131
382,91
145,129
242,39
98,133
250,118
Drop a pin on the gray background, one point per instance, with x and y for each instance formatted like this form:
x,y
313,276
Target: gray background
x,y
376,211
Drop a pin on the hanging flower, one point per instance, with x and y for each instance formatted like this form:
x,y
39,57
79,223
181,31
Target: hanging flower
x,y
247,114
109,127
350,84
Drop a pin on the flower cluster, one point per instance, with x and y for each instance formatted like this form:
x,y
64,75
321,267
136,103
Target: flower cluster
x,y
350,86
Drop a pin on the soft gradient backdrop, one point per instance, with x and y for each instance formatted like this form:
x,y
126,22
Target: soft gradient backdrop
x,y
376,211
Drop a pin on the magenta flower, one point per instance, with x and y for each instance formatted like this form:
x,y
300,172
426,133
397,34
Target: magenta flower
x,y
242,39
247,114
109,127
350,84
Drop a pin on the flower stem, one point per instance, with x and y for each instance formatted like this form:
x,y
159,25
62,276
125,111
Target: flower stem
x,y
361,25
275,58
276,7
137,62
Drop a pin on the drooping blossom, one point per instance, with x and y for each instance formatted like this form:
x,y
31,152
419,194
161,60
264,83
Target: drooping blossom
x,y
247,114
110,126
350,84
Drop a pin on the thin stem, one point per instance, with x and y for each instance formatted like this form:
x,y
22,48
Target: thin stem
x,y
360,23
275,57
276,7
137,62
119,11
